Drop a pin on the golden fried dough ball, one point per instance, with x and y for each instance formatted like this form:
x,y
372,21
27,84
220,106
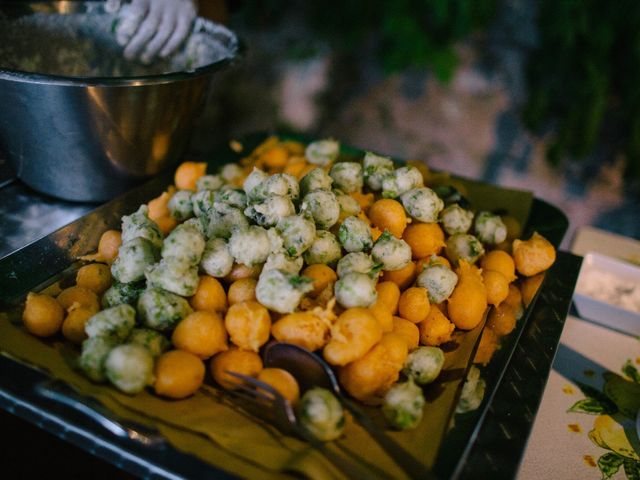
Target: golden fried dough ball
x,y
388,295
235,360
282,381
201,333
274,158
248,325
534,255
425,239
468,302
365,200
159,206
82,296
302,328
403,277
486,348
529,287
436,329
109,244
370,377
514,298
383,315
502,319
322,275
95,276
74,322
407,330
188,173
179,374
42,315
388,214
242,290
414,304
500,262
209,295
239,271
496,285
356,330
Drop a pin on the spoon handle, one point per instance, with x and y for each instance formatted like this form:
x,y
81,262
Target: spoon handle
x,y
404,459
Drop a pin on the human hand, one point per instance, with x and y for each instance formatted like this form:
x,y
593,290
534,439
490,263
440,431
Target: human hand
x,y
147,28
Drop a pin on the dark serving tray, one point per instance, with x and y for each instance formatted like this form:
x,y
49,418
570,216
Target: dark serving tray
x,y
489,440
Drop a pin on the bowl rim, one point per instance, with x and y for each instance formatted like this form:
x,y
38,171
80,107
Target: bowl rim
x,y
593,260
124,81
132,81
614,265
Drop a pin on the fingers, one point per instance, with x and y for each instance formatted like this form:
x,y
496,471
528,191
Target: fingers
x,y
152,26
183,25
130,19
145,32
166,28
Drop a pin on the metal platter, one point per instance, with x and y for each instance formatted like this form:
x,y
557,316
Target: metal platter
x,y
490,439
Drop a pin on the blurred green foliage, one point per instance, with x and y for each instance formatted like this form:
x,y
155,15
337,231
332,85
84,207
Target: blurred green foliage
x,y
584,79
404,33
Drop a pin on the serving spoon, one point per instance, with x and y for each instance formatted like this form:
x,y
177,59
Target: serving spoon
x,y
312,371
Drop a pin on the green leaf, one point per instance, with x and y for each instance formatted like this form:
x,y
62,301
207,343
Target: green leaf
x,y
590,392
386,236
625,394
298,281
588,405
444,63
632,469
609,464
377,268
630,370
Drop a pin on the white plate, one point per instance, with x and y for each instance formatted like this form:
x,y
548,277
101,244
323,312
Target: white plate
x,y
597,298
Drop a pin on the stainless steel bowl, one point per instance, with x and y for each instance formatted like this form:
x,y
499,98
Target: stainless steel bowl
x,y
90,139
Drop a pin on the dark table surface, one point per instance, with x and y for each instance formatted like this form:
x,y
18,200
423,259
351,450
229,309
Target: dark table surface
x,y
34,453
